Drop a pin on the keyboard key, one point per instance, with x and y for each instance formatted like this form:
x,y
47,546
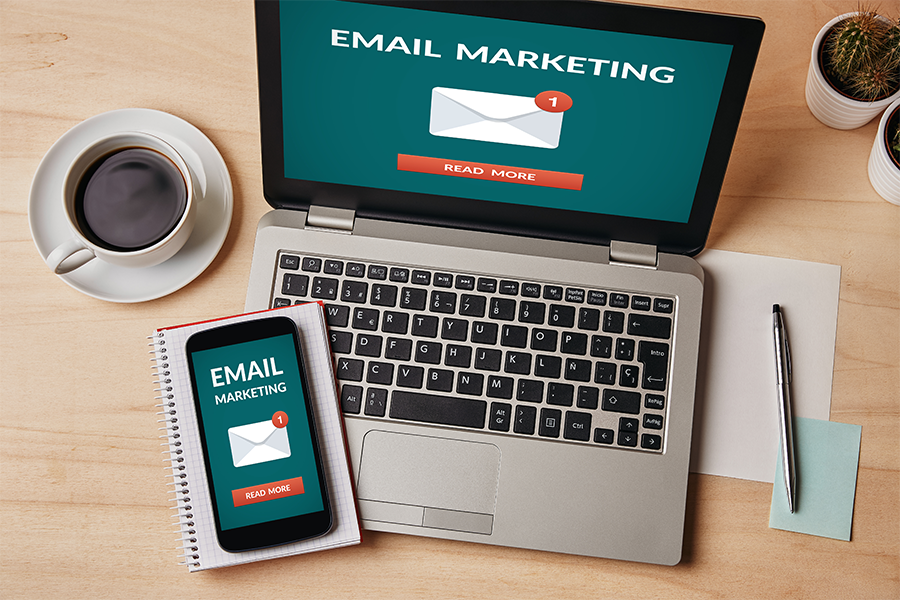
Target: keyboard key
x,y
472,306
649,326
654,401
574,295
337,315
380,372
500,387
443,280
333,267
454,329
365,318
313,265
500,417
596,298
532,312
487,285
376,402
413,299
470,383
628,424
628,439
601,346
651,442
640,303
550,424
351,399
429,352
605,373
573,343
531,290
294,285
324,288
354,291
279,302
518,363
395,322
589,318
553,292
560,394
503,309
510,288
383,295
289,262
613,321
356,269
547,366
578,370
514,336
663,305
399,275
378,272
341,342
578,426
624,349
603,436
655,358
409,376
530,390
465,282
421,277
561,316
628,376
618,300
442,410
443,302
653,421
368,345
458,356
588,397
349,369
525,418
484,333
425,326
488,360
439,380
543,339
398,349
621,402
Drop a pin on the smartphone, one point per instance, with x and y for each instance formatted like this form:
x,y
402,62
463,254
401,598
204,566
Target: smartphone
x,y
258,433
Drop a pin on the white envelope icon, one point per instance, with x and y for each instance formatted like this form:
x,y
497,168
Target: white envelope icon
x,y
257,443
489,117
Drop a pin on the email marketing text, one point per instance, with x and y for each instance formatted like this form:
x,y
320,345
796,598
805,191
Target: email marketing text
x,y
562,63
244,372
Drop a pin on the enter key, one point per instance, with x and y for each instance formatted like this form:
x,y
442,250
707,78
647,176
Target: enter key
x,y
655,358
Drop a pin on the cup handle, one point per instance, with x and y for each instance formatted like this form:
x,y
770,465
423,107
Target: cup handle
x,y
59,262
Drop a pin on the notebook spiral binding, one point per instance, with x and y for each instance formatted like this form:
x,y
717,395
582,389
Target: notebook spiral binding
x,y
168,413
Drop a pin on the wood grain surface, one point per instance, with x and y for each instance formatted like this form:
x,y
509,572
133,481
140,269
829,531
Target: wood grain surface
x,y
83,505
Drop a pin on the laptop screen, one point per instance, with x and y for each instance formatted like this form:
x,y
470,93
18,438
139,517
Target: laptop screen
x,y
498,121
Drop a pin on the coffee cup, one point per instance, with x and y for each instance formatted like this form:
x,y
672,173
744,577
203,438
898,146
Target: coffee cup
x,y
129,201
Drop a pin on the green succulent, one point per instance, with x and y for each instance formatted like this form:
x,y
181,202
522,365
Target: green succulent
x,y
895,143
863,55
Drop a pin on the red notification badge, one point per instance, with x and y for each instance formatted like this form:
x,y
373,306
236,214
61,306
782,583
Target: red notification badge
x,y
280,419
553,101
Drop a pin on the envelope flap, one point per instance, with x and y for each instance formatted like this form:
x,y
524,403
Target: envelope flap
x,y
255,433
489,104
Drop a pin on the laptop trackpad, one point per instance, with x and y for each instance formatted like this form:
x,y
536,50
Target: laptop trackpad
x,y
428,482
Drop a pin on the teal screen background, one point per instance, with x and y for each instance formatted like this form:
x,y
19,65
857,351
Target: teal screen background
x,y
217,419
349,112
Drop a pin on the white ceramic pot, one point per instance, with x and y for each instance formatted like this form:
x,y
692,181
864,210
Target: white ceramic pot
x,y
830,106
884,171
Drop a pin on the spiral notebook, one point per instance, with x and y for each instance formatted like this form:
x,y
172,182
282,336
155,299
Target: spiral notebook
x,y
192,508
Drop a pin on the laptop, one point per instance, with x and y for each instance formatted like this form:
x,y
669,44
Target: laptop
x,y
497,203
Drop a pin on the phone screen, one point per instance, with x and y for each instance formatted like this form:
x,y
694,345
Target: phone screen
x,y
258,434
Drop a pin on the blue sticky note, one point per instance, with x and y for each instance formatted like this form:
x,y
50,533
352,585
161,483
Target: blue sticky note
x,y
827,460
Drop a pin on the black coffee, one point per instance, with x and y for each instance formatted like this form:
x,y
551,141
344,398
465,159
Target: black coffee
x,y
130,199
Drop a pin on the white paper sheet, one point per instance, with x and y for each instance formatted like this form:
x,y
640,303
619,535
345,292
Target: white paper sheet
x,y
736,425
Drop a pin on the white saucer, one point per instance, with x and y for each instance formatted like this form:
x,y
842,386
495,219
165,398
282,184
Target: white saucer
x,y
215,203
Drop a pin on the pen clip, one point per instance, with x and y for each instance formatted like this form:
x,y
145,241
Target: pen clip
x,y
787,348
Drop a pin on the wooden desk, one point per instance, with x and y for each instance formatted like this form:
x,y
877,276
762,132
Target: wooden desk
x,y
83,509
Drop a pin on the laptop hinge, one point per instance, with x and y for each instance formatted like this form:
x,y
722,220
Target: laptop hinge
x,y
629,253
338,220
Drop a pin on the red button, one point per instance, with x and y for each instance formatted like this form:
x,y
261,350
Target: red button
x,y
268,491
489,172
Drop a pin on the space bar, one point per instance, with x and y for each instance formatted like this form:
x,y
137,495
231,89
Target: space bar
x,y
441,410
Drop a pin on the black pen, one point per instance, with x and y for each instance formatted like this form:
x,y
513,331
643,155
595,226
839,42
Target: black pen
x,y
783,380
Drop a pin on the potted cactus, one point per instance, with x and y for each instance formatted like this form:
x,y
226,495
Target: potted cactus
x,y
884,160
854,70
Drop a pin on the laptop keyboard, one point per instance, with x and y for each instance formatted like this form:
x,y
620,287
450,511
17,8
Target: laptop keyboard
x,y
461,350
